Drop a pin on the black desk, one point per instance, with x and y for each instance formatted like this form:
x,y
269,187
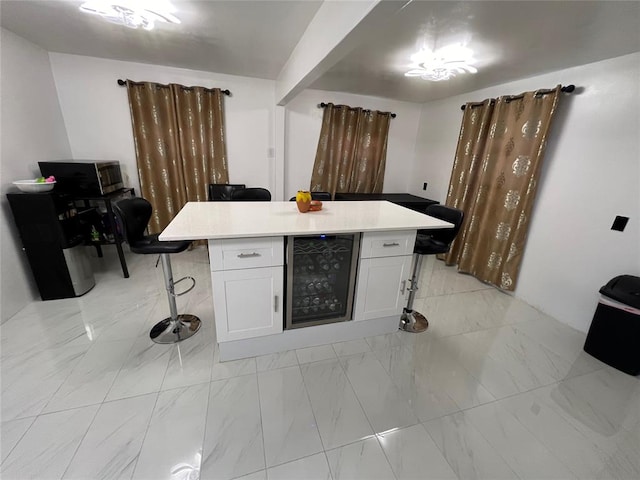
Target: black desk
x,y
407,200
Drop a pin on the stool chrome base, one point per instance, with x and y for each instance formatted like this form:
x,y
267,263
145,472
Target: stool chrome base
x,y
413,321
170,331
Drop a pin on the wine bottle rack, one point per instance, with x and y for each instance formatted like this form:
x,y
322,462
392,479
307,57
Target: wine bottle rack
x,y
320,279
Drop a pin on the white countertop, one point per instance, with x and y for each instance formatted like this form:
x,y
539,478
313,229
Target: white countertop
x,y
212,220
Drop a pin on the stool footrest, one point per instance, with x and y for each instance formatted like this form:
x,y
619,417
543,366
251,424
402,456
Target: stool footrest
x,y
193,284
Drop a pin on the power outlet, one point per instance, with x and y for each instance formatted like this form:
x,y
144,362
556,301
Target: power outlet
x,y
619,223
424,186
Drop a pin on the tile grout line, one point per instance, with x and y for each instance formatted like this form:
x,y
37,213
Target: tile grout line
x,y
499,361
375,434
315,420
544,445
404,396
532,391
493,448
304,385
75,452
324,451
33,420
378,435
144,437
206,414
64,380
264,448
462,292
438,447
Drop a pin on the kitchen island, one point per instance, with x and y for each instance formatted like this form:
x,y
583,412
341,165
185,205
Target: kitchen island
x,y
247,243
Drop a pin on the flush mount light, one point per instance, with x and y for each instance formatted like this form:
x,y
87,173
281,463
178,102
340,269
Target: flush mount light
x,y
442,64
132,13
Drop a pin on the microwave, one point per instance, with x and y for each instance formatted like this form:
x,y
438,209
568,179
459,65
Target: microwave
x,y
84,178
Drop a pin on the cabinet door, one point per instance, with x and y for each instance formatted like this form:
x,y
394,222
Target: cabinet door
x,y
248,303
382,287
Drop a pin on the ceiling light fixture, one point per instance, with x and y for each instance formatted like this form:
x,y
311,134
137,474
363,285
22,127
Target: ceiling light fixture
x,y
442,64
132,13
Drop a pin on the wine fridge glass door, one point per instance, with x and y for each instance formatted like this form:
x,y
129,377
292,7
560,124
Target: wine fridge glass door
x,y
321,272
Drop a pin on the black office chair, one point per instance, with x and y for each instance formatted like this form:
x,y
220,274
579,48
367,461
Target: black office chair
x,y
222,191
255,194
429,242
322,196
134,215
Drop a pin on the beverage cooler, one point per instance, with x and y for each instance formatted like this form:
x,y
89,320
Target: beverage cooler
x,y
321,271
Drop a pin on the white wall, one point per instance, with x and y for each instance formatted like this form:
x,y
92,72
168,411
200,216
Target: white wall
x,y
591,174
96,113
32,130
303,123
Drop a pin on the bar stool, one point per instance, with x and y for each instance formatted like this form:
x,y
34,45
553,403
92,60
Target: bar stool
x,y
429,242
134,215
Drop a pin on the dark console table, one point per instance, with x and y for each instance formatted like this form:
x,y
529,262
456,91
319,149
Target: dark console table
x,y
404,199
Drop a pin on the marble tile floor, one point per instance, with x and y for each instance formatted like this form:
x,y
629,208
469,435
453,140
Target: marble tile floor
x,y
494,389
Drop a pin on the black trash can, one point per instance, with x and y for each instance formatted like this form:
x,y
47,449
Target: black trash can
x,y
614,335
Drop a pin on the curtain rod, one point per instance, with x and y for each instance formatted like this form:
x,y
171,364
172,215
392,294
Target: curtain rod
x,y
565,89
322,105
123,83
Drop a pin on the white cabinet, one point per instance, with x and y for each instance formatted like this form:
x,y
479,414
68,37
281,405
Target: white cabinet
x,y
248,283
383,274
247,303
382,287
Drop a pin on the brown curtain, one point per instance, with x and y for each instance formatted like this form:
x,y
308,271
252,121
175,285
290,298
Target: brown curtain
x,y
178,133
352,150
494,179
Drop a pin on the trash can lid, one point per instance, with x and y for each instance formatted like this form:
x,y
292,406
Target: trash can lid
x,y
623,288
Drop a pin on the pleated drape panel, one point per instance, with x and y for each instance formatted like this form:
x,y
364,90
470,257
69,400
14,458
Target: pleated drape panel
x,y
180,145
352,151
494,180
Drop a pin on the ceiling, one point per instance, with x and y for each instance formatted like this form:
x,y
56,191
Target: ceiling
x,y
511,40
248,38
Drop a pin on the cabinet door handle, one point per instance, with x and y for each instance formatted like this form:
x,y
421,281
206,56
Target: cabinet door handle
x,y
248,255
275,303
404,284
393,244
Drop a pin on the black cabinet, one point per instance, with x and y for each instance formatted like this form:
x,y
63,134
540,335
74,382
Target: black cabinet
x,y
52,237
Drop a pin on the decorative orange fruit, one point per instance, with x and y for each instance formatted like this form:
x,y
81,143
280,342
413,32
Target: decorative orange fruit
x,y
303,200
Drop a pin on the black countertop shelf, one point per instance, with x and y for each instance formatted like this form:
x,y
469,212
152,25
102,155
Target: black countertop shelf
x,y
406,200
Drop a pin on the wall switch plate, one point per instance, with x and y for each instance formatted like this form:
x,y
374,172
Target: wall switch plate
x,y
424,186
619,223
